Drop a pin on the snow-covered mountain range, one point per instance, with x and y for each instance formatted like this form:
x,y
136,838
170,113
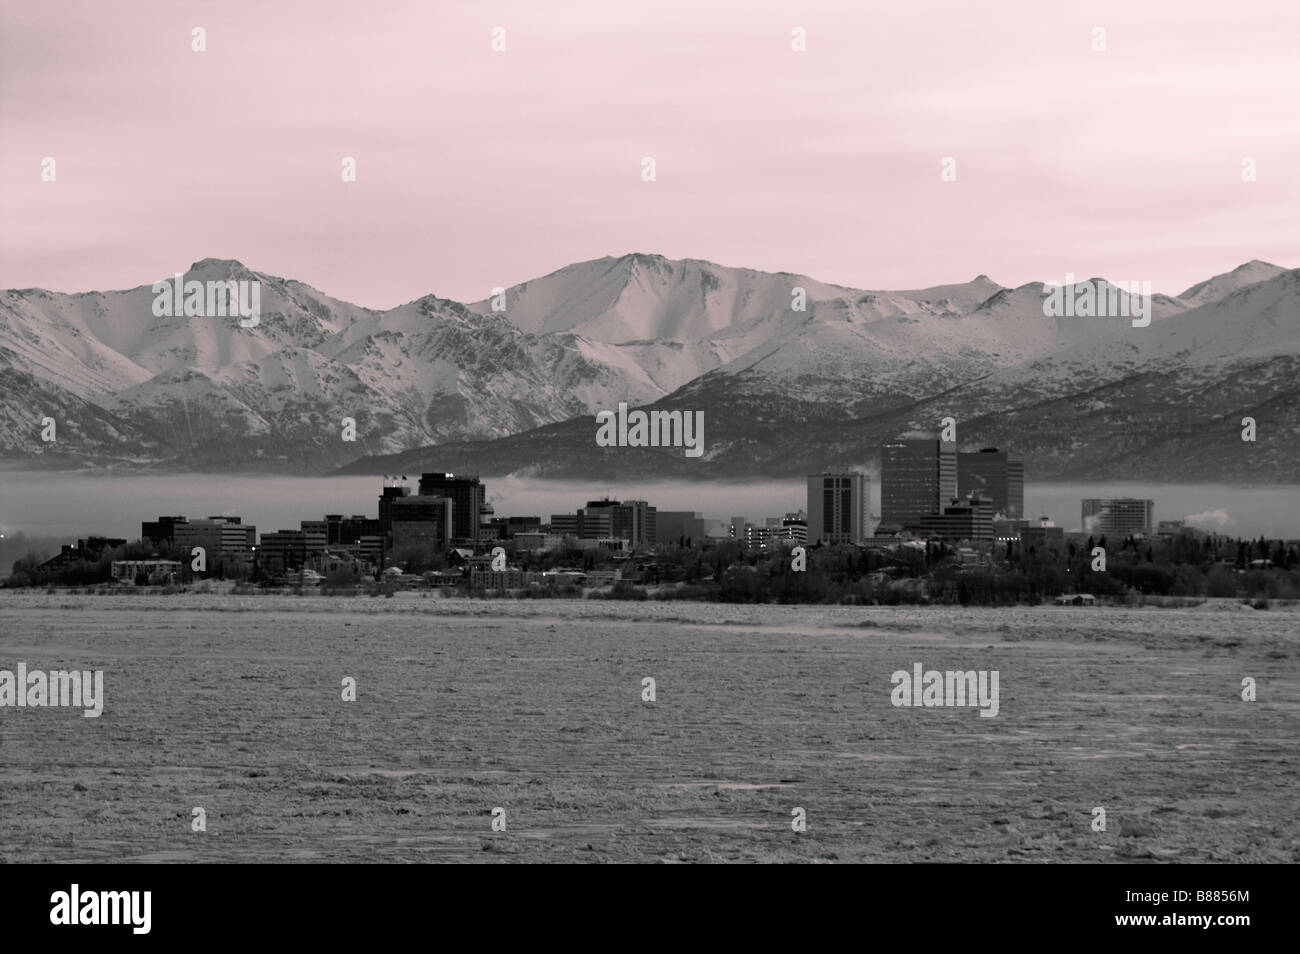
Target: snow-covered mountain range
x,y
436,384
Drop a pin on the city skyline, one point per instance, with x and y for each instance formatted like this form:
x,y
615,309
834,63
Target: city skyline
x,y
846,519
1204,508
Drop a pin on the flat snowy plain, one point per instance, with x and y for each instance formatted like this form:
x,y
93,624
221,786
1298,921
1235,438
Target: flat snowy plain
x,y
234,704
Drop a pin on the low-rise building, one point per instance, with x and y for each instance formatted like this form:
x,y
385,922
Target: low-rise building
x,y
537,542
155,571
316,535
283,550
1006,530
963,519
508,579
218,536
507,528
89,550
564,577
444,578
794,527
338,559
677,527
1042,537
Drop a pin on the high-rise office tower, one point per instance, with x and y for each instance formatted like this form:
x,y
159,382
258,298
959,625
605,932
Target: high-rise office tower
x,y
995,475
837,507
391,493
160,530
423,520
632,520
468,496
918,477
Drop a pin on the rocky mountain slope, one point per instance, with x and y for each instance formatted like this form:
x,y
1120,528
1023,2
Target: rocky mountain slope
x,y
441,385
1081,398
205,393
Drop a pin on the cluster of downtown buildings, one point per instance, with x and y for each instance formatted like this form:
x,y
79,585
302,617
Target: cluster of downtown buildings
x,y
928,491
447,514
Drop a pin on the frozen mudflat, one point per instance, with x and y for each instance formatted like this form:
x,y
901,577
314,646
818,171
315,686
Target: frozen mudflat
x,y
233,704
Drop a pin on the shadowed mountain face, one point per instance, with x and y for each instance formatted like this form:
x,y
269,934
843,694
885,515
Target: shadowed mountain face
x,y
792,375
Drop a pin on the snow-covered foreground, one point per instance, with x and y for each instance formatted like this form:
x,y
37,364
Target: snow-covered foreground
x,y
234,705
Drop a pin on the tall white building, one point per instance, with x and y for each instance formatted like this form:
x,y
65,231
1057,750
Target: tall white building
x,y
837,507
1118,515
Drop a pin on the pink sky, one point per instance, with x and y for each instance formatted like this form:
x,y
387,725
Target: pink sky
x,y
477,168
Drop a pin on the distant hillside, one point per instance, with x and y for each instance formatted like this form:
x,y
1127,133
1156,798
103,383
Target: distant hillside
x,y
783,390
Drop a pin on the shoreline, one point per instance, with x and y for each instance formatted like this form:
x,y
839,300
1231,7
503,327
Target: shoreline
x,y
676,610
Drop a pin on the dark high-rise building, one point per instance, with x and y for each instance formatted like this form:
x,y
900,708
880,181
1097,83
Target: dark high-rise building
x,y
390,495
352,529
467,495
334,528
632,520
918,477
996,476
160,530
423,521
363,535
677,526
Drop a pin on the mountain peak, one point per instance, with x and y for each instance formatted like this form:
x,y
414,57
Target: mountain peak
x,y
219,269
647,260
1219,286
217,263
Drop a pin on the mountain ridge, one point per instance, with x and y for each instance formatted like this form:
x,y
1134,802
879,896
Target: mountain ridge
x,y
202,393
